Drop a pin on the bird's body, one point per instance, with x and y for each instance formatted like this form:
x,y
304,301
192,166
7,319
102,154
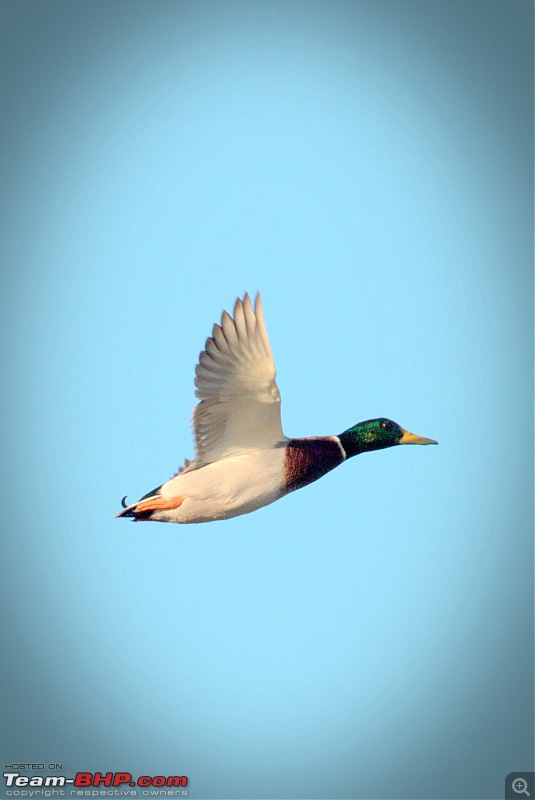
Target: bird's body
x,y
243,483
243,460
224,488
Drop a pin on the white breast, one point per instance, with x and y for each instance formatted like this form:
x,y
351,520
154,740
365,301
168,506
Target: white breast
x,y
226,488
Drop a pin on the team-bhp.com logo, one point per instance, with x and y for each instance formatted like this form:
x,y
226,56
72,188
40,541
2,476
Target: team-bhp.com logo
x,y
18,785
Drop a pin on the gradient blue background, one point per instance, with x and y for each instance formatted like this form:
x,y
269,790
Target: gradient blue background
x,y
367,165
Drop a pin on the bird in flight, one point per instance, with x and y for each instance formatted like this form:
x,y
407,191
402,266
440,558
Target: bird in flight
x,y
243,460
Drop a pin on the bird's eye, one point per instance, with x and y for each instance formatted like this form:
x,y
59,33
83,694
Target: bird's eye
x,y
383,424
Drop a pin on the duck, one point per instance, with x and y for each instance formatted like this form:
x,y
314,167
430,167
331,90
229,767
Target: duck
x,y
243,461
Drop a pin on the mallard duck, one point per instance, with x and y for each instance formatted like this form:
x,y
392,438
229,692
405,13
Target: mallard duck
x,y
243,460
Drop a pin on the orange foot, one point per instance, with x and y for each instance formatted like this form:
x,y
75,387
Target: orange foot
x,y
154,503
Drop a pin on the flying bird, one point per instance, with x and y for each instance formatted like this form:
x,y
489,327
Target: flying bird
x,y
243,460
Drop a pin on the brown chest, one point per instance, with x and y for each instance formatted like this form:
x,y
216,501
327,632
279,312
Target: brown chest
x,y
308,459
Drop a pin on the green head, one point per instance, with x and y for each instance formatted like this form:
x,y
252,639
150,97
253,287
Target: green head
x,y
376,434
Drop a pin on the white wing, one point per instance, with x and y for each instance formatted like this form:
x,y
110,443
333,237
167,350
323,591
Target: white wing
x,y
235,379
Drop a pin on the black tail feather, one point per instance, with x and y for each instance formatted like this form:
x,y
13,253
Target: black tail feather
x,y
130,511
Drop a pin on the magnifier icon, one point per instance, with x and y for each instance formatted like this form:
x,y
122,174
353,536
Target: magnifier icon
x,y
520,786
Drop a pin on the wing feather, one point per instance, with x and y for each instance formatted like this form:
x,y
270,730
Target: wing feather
x,y
239,408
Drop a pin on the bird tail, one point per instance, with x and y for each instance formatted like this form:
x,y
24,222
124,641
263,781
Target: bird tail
x,y
128,511
145,507
131,511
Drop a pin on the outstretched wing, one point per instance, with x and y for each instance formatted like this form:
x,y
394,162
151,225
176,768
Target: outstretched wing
x,y
239,407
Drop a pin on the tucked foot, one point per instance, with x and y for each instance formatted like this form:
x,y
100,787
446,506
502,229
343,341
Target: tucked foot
x,y
144,508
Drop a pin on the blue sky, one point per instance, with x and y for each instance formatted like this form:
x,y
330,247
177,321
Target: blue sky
x,y
367,166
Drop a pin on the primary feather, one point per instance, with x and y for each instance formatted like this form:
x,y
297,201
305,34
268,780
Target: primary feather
x,y
239,408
